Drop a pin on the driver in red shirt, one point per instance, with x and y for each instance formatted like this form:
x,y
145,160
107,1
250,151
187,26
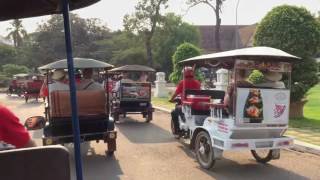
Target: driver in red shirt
x,y
189,82
12,131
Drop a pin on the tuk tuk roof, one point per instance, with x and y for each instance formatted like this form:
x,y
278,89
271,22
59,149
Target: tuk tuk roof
x,y
133,68
15,9
252,53
21,75
79,63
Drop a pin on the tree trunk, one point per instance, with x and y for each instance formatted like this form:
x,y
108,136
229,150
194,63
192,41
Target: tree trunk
x,y
149,51
218,22
296,108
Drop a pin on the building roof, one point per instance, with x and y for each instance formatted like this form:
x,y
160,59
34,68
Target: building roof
x,y
228,34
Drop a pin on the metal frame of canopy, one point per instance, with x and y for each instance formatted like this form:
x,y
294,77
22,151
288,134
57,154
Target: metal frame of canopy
x,y
14,9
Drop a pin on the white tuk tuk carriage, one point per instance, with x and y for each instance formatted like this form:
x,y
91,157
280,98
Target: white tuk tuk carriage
x,y
257,115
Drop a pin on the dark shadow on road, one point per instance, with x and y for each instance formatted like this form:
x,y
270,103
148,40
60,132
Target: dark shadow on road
x,y
142,132
226,169
98,167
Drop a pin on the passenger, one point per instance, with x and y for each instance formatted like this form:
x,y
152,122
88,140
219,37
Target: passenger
x,y
125,78
272,80
187,83
143,77
87,82
11,131
58,81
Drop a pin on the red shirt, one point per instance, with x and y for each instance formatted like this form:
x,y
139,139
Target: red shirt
x,y
11,130
188,84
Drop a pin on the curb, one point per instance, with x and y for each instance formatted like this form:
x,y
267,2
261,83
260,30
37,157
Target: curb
x,y
297,146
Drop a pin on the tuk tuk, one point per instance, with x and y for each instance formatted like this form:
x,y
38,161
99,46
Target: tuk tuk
x,y
248,115
131,91
18,84
94,120
32,88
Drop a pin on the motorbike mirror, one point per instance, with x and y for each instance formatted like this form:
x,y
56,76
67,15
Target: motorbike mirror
x,y
35,123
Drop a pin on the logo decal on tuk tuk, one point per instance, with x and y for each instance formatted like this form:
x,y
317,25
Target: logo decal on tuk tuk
x,y
278,110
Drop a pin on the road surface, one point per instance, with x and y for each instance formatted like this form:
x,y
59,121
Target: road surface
x,y
149,152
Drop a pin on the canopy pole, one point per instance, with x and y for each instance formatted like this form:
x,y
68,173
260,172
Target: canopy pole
x,y
73,98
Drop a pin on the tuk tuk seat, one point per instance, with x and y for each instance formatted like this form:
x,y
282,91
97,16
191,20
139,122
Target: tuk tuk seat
x,y
200,100
90,103
38,163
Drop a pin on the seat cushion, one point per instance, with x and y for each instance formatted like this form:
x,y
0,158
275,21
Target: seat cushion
x,y
89,103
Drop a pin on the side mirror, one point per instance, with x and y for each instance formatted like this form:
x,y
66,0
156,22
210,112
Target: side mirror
x,y
35,123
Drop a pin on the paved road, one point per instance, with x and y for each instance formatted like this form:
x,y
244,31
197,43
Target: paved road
x,y
148,151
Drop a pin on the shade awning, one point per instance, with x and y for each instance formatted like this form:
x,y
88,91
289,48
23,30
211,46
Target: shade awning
x,y
79,63
15,9
253,53
137,68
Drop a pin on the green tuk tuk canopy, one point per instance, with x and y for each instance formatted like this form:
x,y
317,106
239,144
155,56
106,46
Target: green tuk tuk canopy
x,y
79,63
15,9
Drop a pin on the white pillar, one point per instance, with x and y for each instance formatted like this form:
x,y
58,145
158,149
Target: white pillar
x,y
161,90
222,79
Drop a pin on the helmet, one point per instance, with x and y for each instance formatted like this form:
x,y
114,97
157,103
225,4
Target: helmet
x,y
188,72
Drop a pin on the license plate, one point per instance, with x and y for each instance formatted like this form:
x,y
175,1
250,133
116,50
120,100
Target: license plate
x,y
264,144
143,104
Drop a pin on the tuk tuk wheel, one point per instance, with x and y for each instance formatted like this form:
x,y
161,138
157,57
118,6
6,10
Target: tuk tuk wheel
x,y
262,156
149,117
204,150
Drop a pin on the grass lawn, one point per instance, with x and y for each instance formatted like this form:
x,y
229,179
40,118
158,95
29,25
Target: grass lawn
x,y
311,111
162,102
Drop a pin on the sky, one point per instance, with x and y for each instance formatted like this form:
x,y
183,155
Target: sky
x,y
111,12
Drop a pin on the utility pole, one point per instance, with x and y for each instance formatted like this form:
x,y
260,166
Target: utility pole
x,y
236,30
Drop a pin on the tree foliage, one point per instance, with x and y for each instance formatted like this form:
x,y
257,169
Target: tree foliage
x,y
48,43
216,6
184,51
169,35
11,69
17,32
144,21
294,30
7,54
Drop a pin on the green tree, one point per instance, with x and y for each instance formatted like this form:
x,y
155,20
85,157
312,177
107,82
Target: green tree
x,y
294,30
215,5
48,42
17,32
122,48
7,54
172,32
184,51
144,21
10,69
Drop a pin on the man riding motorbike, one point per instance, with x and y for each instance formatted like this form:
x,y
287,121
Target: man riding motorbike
x,y
188,82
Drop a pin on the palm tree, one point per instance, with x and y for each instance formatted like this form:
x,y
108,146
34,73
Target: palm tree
x,y
17,32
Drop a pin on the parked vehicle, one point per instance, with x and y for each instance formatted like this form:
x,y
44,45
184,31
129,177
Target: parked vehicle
x,y
254,118
131,91
92,104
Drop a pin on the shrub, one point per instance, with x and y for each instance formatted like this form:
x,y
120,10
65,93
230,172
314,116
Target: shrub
x,y
256,77
184,51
